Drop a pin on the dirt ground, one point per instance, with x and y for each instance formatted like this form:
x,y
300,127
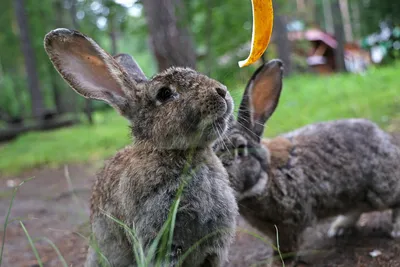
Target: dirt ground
x,y
56,207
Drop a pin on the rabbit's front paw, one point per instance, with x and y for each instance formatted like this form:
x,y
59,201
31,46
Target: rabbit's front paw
x,y
343,224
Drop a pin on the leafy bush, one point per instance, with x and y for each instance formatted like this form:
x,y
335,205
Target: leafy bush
x,y
14,98
384,45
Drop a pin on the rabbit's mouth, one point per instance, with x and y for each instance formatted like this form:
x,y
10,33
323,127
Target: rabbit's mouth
x,y
216,122
223,120
226,119
228,109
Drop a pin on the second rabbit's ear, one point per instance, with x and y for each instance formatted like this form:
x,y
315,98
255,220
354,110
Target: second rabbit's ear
x,y
131,67
261,97
89,70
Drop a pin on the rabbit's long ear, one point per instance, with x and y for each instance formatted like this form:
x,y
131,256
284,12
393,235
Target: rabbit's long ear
x,y
89,70
131,67
261,97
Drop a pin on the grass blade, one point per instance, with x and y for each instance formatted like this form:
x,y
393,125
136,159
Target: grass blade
x,y
32,245
139,256
60,256
277,246
173,219
103,260
7,217
167,232
154,245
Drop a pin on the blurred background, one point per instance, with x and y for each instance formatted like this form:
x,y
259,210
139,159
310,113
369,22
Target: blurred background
x,y
340,61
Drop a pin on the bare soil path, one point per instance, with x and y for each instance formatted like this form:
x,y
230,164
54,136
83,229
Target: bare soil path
x,y
56,207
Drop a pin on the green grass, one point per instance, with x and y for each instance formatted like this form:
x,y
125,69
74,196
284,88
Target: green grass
x,y
80,143
304,100
309,99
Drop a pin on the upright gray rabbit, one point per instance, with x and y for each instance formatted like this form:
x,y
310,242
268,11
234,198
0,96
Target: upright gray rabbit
x,y
326,169
176,117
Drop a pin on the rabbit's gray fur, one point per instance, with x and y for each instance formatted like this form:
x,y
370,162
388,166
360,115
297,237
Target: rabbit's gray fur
x,y
176,117
346,167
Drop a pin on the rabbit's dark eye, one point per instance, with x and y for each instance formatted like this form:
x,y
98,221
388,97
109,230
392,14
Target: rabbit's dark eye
x,y
241,151
164,94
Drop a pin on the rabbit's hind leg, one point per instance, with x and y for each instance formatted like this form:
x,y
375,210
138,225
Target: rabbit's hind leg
x,y
396,223
343,223
109,246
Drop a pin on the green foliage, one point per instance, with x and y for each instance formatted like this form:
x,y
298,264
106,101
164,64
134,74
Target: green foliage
x,y
388,39
375,11
14,96
220,32
304,100
10,47
14,99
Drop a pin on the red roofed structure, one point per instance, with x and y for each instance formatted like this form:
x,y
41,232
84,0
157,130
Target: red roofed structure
x,y
321,58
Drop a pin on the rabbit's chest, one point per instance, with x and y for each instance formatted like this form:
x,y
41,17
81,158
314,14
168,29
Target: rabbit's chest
x,y
206,204
208,197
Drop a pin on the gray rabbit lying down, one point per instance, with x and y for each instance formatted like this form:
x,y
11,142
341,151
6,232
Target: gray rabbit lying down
x,y
175,116
338,168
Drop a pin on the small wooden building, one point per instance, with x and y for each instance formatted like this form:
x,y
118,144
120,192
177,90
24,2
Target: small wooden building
x,y
321,57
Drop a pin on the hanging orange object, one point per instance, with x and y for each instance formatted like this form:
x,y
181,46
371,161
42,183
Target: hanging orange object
x,y
263,20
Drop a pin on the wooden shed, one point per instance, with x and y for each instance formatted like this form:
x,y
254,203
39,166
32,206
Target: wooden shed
x,y
321,57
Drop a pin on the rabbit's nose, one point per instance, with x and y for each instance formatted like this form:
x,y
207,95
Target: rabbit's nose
x,y
221,91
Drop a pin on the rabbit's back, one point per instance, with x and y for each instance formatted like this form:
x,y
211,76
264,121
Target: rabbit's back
x,y
337,166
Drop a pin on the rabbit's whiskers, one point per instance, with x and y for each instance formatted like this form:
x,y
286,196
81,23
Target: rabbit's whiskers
x,y
254,122
248,129
215,127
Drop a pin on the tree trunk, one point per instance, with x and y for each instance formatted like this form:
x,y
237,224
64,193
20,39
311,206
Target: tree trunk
x,y
339,35
355,11
311,14
328,16
282,40
171,43
113,35
57,94
30,61
59,18
65,100
348,31
72,12
318,16
208,37
301,5
88,103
